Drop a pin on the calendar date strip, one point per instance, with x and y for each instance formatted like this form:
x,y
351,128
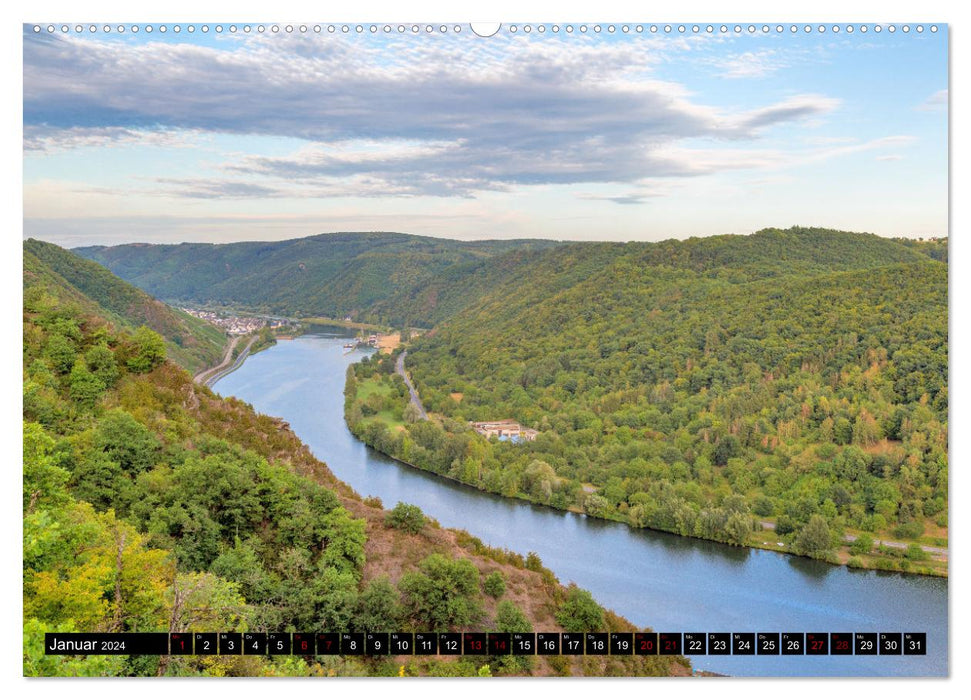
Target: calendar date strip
x,y
489,643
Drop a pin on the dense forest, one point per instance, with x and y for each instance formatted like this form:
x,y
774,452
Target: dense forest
x,y
191,342
152,504
794,380
327,275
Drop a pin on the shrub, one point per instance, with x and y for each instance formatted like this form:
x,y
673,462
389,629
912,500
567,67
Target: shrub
x,y
407,517
443,594
533,562
377,607
915,552
147,350
814,540
494,585
509,618
862,544
909,531
580,612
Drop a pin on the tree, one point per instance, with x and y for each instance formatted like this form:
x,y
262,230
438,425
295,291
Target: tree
x,y
862,544
126,441
442,594
86,388
44,481
405,516
147,350
727,448
101,361
377,608
738,528
60,350
595,505
509,618
411,413
494,584
814,540
579,612
345,537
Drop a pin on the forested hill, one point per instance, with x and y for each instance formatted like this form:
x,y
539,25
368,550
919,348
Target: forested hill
x,y
150,504
329,274
529,277
191,342
780,376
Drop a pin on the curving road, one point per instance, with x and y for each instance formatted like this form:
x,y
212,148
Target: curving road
x,y
209,376
400,369
200,378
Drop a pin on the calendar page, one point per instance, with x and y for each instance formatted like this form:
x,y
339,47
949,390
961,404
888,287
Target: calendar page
x,y
523,349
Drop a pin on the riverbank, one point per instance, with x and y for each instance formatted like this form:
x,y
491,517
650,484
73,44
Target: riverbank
x,y
652,578
367,418
391,553
231,361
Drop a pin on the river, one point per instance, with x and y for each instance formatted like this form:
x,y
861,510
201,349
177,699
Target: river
x,y
670,583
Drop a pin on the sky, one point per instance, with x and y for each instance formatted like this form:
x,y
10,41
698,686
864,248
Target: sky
x,y
227,136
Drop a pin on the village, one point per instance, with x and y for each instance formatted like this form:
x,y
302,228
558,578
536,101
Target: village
x,y
236,325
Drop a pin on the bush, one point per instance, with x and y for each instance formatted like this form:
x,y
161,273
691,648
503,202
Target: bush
x,y
784,525
533,562
763,506
814,540
494,584
147,351
862,544
377,607
86,388
909,531
407,517
915,552
443,594
580,612
738,528
509,618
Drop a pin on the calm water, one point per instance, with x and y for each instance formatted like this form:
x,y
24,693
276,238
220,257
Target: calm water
x,y
654,579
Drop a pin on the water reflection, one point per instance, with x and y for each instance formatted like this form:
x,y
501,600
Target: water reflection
x,y
812,569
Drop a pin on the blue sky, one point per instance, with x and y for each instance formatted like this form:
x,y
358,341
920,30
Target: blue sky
x,y
218,137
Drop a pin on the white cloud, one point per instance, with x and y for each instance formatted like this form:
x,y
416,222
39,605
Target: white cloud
x,y
937,101
752,64
404,116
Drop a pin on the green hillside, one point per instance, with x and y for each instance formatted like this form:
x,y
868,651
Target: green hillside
x,y
150,504
702,387
768,253
191,342
326,275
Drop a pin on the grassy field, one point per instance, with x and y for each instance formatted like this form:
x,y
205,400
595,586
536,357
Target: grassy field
x,y
376,387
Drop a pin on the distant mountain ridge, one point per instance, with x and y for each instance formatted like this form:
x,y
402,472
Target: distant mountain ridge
x,y
415,280
328,274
